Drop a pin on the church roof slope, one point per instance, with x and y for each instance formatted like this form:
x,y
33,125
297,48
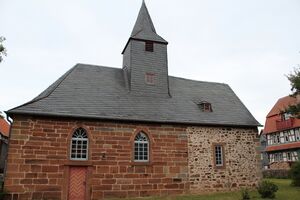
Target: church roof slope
x,y
97,92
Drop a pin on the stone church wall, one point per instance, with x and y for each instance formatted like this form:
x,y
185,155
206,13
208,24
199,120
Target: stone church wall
x,y
38,161
241,159
181,159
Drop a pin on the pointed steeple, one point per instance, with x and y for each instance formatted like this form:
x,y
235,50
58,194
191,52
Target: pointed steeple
x,y
145,59
144,28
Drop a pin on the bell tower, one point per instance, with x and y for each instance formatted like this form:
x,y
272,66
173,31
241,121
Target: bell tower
x,y
145,61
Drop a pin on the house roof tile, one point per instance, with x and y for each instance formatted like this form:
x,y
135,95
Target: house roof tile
x,y
274,115
4,127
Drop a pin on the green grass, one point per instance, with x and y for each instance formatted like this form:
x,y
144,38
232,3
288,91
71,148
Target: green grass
x,y
285,192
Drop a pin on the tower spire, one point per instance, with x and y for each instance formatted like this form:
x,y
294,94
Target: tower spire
x,y
144,28
145,62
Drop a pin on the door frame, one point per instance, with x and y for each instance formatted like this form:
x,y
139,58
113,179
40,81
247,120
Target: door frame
x,y
66,177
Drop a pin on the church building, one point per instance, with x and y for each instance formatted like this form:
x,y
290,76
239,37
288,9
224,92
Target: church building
x,y
134,131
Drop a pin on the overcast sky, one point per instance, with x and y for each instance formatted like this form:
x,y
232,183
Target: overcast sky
x,y
248,44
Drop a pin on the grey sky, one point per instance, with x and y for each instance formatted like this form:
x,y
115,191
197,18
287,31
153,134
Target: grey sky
x,y
248,44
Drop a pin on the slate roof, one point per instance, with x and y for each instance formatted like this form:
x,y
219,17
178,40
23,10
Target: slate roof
x,y
98,92
144,28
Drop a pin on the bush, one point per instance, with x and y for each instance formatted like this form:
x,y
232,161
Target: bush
x,y
295,174
3,193
267,189
245,194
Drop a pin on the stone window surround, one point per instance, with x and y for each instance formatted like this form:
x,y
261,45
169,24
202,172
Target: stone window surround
x,y
69,161
148,134
82,140
223,155
141,144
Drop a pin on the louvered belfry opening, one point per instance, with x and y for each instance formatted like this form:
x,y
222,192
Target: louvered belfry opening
x,y
149,46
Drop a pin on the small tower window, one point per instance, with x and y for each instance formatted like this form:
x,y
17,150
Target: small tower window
x,y
150,78
149,46
205,106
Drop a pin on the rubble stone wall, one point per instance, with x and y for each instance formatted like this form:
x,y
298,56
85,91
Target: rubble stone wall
x,y
241,169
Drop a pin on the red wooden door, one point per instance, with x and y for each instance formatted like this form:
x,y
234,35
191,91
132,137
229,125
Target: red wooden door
x,y
77,183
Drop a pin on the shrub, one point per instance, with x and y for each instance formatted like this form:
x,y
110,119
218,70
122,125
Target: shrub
x,y
245,194
3,193
295,174
267,189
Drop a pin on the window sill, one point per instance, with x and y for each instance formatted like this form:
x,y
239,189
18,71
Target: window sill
x,y
219,167
134,163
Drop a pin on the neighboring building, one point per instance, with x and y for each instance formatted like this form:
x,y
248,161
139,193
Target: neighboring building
x,y
4,134
283,137
101,132
263,153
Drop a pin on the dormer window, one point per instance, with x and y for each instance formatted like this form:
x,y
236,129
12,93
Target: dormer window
x,y
149,46
205,106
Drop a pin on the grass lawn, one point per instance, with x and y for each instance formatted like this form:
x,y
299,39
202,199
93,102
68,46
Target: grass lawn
x,y
285,192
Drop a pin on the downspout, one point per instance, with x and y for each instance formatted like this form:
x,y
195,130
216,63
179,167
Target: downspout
x,y
5,165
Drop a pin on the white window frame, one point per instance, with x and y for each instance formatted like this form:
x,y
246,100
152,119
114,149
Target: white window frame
x,y
297,135
291,135
218,151
79,136
140,143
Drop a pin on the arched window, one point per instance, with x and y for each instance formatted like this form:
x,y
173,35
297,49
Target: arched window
x,y
141,147
79,145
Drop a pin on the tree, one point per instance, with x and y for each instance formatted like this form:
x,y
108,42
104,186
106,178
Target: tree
x,y
294,79
2,48
295,174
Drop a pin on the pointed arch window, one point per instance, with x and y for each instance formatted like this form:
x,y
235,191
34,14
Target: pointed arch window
x,y
79,145
141,147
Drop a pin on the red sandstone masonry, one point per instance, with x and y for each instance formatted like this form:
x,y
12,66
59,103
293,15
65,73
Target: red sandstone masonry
x,y
38,159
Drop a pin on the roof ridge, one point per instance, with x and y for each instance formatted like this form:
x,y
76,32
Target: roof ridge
x,y
99,66
198,80
48,93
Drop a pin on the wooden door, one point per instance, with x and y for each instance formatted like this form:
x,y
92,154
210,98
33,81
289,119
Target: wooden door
x,y
77,183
